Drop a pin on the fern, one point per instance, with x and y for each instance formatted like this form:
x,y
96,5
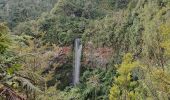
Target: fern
x,y
26,84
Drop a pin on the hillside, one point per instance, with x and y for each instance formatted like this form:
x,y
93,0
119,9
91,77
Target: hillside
x,y
85,50
16,11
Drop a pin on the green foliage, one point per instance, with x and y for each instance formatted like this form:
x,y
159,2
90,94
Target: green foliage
x,y
140,27
123,87
4,38
68,20
13,68
10,64
165,33
62,30
94,85
17,11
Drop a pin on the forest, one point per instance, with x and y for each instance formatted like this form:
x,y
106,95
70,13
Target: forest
x,y
84,49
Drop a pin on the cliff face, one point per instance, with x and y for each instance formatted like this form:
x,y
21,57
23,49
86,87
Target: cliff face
x,y
96,57
92,57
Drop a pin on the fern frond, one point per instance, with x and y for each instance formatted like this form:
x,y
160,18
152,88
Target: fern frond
x,y
26,84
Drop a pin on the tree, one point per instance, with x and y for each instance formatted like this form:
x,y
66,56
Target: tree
x,y
10,65
4,38
124,86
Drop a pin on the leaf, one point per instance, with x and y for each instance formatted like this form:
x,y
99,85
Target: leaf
x,y
14,68
26,84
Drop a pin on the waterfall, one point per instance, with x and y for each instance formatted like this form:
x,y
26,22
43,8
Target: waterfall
x,y
77,60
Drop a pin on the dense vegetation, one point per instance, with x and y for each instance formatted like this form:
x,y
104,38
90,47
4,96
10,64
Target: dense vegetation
x,y
16,11
126,49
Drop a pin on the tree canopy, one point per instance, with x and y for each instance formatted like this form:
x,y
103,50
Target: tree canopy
x,y
125,55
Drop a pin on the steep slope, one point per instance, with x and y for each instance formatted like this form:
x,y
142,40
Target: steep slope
x,y
15,11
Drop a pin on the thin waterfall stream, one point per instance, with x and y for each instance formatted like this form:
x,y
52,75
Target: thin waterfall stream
x,y
77,60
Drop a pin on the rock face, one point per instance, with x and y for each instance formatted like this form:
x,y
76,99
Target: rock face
x,y
91,57
97,57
